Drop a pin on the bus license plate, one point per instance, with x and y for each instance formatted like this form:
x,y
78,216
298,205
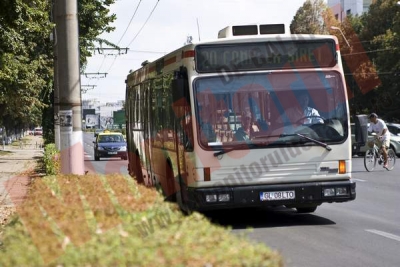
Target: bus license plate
x,y
112,153
279,195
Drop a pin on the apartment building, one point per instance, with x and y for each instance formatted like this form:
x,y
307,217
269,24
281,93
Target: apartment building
x,y
343,8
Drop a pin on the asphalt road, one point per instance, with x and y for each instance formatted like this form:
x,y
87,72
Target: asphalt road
x,y
105,165
364,232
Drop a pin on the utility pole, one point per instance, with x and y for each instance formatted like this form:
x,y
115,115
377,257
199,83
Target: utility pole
x,y
56,96
69,93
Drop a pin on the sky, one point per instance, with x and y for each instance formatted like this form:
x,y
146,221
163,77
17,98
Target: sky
x,y
161,26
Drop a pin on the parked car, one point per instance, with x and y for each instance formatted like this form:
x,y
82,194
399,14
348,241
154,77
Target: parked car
x,y
394,140
38,131
110,145
394,128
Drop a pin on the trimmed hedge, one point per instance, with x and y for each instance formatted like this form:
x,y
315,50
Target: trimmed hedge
x,y
110,220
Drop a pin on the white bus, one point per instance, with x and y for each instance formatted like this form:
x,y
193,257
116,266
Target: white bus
x,y
221,124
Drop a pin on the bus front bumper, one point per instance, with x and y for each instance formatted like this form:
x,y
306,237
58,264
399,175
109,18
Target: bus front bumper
x,y
296,194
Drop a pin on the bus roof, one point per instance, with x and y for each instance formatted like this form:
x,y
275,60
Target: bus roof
x,y
226,36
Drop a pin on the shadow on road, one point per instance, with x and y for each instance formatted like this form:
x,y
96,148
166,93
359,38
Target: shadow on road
x,y
265,217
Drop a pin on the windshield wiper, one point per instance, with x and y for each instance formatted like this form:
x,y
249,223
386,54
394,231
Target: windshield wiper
x,y
216,154
305,137
315,141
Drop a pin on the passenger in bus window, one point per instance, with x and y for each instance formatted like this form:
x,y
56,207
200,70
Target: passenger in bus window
x,y
244,132
301,113
207,132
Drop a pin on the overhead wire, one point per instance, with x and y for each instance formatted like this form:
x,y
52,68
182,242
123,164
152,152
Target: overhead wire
x,y
134,38
151,13
129,24
122,36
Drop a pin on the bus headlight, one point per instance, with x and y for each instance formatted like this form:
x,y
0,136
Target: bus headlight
x,y
211,198
223,197
329,192
336,191
342,191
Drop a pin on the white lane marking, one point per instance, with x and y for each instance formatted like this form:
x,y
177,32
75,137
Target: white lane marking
x,y
384,234
359,180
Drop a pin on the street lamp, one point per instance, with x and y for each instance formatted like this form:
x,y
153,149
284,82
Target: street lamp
x,y
337,28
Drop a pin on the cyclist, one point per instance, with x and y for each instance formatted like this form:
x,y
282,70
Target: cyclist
x,y
379,127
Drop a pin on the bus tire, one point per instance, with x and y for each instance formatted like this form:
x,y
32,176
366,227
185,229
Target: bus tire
x,y
182,206
137,168
171,190
180,200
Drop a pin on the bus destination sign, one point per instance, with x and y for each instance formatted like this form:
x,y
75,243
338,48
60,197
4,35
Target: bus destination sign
x,y
266,55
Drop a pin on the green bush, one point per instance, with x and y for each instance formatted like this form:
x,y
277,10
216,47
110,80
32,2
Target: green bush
x,y
51,160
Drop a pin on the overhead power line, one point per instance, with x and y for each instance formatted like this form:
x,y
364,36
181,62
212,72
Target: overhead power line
x,y
137,7
144,24
144,51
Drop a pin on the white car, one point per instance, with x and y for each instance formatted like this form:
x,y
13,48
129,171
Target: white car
x,y
38,131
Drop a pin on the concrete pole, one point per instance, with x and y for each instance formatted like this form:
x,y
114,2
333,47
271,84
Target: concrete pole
x,y
56,88
70,114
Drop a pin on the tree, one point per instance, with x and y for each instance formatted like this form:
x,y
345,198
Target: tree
x,y
26,57
314,17
381,35
94,19
25,74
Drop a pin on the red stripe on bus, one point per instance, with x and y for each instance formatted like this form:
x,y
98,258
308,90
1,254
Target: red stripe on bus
x,y
189,53
169,61
337,47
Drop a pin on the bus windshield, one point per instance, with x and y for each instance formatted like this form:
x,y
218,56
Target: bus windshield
x,y
271,109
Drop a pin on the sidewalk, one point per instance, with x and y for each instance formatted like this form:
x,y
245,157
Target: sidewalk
x,y
15,164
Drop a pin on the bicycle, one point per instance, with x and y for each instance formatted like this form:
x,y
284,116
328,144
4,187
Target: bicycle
x,y
374,155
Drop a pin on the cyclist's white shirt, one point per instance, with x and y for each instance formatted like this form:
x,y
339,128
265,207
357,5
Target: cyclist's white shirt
x,y
378,128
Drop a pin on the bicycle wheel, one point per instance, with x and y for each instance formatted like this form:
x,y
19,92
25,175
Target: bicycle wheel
x,y
391,160
370,160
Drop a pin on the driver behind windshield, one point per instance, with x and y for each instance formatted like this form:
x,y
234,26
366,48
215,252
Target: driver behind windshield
x,y
301,113
245,131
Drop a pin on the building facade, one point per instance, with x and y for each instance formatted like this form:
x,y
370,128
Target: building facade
x,y
343,8
105,111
